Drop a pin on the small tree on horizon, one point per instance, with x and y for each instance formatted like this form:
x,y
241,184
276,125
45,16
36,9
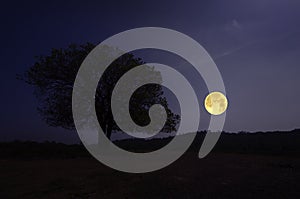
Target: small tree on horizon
x,y
53,76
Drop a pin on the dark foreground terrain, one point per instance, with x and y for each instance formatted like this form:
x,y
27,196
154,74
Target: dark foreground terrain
x,y
248,171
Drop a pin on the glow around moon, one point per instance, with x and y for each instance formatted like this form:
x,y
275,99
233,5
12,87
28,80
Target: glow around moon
x,y
216,103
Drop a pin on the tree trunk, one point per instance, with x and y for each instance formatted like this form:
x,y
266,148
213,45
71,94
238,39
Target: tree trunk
x,y
109,131
103,126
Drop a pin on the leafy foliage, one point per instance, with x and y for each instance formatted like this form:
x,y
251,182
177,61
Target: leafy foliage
x,y
53,77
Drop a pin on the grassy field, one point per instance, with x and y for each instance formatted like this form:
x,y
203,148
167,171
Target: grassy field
x,y
256,170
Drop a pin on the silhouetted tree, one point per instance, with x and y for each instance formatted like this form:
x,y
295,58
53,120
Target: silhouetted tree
x,y
53,77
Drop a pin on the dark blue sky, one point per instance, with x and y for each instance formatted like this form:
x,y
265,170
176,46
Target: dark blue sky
x,y
255,44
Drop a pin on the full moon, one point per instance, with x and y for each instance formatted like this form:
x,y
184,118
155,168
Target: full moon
x,y
216,103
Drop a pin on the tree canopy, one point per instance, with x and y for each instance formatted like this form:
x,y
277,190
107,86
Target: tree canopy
x,y
53,77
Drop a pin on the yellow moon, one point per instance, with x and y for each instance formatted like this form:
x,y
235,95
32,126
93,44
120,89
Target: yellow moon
x,y
215,103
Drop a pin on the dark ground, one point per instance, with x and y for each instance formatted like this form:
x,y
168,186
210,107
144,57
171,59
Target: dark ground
x,y
245,172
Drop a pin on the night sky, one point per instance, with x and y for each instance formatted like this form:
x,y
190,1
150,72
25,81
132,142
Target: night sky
x,y
255,44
